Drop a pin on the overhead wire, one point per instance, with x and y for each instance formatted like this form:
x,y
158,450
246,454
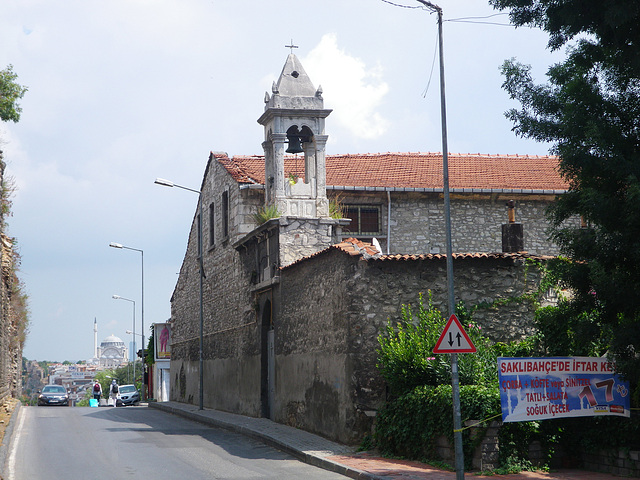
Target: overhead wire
x,y
458,20
433,63
402,6
471,20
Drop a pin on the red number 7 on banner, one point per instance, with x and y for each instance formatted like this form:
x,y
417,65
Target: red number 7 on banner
x,y
587,392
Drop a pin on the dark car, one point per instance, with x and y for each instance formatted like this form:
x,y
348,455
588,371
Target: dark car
x,y
53,395
128,395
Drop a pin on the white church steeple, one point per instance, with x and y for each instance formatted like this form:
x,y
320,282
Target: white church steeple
x,y
294,120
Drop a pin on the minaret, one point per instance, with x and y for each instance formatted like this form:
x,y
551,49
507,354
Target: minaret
x,y
95,338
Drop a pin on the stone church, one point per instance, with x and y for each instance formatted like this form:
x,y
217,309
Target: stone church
x,y
292,306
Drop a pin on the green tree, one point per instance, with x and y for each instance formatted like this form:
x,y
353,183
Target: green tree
x,y
589,111
10,93
149,354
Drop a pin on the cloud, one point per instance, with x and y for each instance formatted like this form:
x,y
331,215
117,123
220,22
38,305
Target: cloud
x,y
355,90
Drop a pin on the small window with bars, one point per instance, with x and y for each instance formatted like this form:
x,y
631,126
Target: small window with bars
x,y
365,220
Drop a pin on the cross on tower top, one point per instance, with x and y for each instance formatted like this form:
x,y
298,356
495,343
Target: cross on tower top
x,y
292,46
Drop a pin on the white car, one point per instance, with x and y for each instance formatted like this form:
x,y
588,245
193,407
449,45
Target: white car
x,y
127,395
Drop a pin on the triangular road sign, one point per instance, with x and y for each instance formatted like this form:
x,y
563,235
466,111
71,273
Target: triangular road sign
x,y
454,339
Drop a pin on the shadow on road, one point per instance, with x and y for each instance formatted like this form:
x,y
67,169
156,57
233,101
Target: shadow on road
x,y
152,423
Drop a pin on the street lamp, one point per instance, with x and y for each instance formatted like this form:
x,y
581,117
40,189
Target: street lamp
x,y
168,183
119,245
118,297
455,381
129,332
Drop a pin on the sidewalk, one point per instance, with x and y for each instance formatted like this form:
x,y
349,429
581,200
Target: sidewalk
x,y
323,453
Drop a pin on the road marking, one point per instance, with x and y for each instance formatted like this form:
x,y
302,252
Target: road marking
x,y
11,463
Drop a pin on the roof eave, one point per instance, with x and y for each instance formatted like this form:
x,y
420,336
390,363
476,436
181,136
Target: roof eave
x,y
528,191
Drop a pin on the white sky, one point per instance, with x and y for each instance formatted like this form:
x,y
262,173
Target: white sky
x,y
124,91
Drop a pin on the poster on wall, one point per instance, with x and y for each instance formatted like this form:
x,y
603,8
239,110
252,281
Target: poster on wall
x,y
560,387
162,337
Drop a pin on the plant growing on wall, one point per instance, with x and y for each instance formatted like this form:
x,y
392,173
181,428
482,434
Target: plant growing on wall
x,y
266,213
336,208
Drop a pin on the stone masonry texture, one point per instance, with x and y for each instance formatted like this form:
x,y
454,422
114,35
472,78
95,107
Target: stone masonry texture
x,y
10,343
325,307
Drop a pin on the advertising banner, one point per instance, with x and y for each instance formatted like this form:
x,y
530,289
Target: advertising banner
x,y
162,337
560,387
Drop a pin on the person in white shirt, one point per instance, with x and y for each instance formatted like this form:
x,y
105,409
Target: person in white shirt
x,y
113,392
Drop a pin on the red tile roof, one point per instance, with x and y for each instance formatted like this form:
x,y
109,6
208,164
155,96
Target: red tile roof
x,y
417,171
355,247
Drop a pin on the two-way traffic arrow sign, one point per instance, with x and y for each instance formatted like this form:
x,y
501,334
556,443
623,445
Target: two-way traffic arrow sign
x,y
454,339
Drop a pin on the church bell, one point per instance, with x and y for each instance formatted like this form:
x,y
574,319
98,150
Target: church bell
x,y
294,144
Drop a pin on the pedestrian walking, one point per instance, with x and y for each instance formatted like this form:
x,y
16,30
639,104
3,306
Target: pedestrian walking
x,y
97,391
113,392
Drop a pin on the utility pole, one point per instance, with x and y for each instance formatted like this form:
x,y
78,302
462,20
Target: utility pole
x,y
455,380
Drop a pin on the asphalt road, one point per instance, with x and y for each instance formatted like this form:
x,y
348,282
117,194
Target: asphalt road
x,y
58,443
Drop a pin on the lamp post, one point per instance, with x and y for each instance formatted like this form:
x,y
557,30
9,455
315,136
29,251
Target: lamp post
x,y
455,381
118,297
167,183
119,245
129,332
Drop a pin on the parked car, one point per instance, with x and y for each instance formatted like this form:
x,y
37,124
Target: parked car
x,y
127,395
53,395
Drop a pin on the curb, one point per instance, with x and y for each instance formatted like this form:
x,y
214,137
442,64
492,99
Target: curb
x,y
306,457
7,439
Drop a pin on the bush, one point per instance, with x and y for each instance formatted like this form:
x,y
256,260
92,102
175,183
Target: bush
x,y
420,408
409,425
421,405
406,359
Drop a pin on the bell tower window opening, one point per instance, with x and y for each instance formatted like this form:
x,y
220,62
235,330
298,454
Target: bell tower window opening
x,y
296,138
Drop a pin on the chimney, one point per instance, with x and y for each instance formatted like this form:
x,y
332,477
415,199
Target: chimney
x,y
512,232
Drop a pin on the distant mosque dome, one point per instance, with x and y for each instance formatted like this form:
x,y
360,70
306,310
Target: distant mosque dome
x,y
112,352
112,341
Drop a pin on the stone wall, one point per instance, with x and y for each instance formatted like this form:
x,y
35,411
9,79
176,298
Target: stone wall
x,y
300,237
625,463
11,340
314,366
486,454
229,320
335,305
6,357
417,221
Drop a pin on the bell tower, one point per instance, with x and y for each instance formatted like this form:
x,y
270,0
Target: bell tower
x,y
293,121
